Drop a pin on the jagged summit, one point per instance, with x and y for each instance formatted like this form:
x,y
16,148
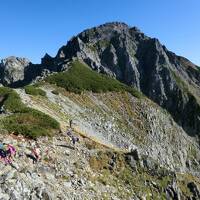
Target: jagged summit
x,y
110,25
137,60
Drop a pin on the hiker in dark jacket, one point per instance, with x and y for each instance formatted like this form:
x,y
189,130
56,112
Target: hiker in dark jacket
x,y
69,133
3,153
73,138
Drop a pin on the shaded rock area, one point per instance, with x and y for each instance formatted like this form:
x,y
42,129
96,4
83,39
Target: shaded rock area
x,y
12,70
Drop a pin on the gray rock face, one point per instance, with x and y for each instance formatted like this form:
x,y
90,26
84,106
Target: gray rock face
x,y
142,62
17,72
12,69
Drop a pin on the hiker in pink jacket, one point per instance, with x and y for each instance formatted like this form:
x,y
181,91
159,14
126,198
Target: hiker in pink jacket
x,y
11,151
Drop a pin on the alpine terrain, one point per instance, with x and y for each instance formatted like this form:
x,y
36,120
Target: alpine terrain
x,y
115,115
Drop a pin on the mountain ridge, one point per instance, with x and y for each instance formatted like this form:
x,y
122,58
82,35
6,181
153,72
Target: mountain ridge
x,y
142,62
127,54
135,109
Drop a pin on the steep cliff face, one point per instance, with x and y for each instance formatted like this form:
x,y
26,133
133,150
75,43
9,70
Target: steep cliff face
x,y
142,62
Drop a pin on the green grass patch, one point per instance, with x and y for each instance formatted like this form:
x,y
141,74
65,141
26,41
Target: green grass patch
x,y
33,90
80,77
11,100
23,120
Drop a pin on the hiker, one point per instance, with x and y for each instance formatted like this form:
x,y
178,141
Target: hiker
x,y
36,154
69,133
3,154
74,140
70,123
11,151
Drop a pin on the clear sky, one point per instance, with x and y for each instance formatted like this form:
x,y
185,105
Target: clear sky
x,y
30,28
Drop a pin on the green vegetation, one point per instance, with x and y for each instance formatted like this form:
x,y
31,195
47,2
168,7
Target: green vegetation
x,y
80,77
24,120
33,90
12,101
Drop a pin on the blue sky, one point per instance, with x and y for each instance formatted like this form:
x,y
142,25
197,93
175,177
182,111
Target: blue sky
x,y
30,28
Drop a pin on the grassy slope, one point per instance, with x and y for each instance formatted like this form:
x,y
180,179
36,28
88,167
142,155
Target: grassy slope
x,y
23,120
80,77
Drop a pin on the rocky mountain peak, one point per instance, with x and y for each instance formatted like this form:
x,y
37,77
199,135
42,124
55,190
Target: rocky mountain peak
x,y
127,54
132,146
12,69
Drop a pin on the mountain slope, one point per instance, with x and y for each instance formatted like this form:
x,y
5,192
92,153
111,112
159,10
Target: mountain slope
x,y
88,171
142,62
131,57
134,106
117,122
123,121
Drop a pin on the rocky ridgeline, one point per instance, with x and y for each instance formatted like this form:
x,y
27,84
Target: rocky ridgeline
x,y
142,62
130,56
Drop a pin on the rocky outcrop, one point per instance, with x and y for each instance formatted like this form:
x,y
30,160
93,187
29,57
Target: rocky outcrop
x,y
12,69
17,72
